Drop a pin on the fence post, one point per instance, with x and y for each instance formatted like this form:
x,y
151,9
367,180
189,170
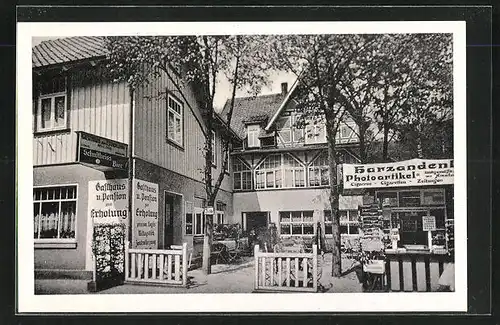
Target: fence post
x,y
315,268
184,264
126,261
256,265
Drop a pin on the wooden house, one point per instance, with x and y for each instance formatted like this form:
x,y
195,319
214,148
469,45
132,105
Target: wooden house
x,y
151,143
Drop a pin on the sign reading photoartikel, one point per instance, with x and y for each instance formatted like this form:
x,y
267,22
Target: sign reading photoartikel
x,y
101,153
415,172
108,201
145,214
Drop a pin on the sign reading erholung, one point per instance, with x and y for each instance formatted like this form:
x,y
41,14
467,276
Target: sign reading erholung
x,y
415,172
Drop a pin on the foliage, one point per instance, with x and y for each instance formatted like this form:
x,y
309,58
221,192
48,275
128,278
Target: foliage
x,y
224,231
108,247
198,61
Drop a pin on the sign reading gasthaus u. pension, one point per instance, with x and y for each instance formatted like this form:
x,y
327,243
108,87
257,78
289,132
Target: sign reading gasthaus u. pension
x,y
108,201
144,214
415,172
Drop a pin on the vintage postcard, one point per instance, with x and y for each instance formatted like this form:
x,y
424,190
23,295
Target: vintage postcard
x,y
187,167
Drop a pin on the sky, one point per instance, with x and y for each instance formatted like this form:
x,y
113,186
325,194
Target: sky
x,y
223,91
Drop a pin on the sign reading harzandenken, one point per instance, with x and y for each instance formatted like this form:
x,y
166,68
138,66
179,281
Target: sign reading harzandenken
x,y
415,172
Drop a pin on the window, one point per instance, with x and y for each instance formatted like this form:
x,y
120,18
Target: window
x,y
294,172
189,218
315,132
433,197
388,198
287,131
344,131
319,170
296,223
242,176
214,149
174,120
253,132
349,222
278,171
55,212
52,111
268,173
409,198
195,220
220,209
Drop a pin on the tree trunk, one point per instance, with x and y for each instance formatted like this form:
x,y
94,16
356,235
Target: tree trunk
x,y
334,206
420,149
362,145
207,243
385,144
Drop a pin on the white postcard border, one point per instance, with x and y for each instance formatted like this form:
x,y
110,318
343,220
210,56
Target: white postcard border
x,y
331,302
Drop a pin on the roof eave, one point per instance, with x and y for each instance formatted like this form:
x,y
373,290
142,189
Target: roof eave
x,y
282,106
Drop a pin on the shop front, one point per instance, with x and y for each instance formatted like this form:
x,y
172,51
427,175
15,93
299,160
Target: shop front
x,y
408,209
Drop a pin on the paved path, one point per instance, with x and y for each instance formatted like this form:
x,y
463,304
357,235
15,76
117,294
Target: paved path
x,y
237,278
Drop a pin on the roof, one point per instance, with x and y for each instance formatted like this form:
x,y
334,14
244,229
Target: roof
x,y
68,50
248,108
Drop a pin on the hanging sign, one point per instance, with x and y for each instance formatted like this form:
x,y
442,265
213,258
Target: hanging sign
x,y
144,214
101,153
395,234
428,223
209,211
415,172
108,201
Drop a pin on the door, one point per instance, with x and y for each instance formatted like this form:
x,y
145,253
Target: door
x,y
411,227
256,220
169,220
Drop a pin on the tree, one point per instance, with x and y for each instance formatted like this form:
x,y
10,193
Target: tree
x,y
201,60
321,63
410,83
430,101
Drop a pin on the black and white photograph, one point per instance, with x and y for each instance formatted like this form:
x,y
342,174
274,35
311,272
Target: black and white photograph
x,y
323,160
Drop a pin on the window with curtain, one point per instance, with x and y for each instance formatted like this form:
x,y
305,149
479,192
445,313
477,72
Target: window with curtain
x,y
315,132
253,132
54,212
279,171
296,223
51,112
268,173
242,175
294,172
319,170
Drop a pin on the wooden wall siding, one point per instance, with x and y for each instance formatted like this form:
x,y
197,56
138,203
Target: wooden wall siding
x,y
151,142
99,107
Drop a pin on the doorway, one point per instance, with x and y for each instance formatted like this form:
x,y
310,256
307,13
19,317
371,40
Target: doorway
x,y
256,220
411,227
173,211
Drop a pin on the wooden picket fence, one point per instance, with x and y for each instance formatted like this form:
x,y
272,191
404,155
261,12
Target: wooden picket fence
x,y
157,266
286,271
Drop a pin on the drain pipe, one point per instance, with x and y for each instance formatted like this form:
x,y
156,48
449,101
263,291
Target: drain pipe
x,y
131,166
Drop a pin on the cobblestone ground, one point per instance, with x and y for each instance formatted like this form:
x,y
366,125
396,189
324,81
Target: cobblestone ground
x,y
233,278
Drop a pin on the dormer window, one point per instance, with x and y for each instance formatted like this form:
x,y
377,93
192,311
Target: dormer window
x,y
253,132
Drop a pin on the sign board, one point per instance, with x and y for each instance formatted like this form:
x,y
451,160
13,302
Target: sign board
x,y
395,234
101,153
415,172
144,214
428,223
209,210
108,201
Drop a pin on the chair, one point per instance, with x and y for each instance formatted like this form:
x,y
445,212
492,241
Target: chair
x,y
219,251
